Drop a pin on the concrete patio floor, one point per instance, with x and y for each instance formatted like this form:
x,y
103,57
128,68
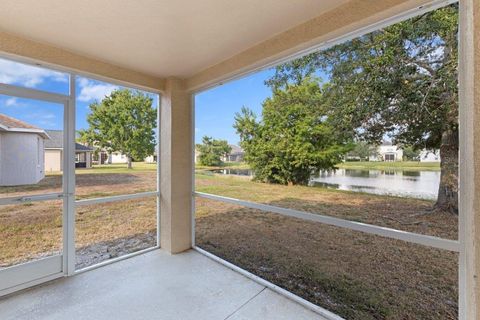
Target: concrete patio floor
x,y
154,285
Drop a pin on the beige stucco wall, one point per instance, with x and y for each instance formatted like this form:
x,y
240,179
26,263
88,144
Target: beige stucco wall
x,y
53,160
176,167
469,201
50,55
350,17
346,18
476,192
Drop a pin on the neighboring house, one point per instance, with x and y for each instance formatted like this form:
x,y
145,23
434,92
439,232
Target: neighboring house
x,y
387,152
151,159
429,155
104,157
21,152
236,155
54,153
117,157
197,155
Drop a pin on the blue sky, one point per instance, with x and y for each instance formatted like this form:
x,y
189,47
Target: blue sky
x,y
49,115
215,108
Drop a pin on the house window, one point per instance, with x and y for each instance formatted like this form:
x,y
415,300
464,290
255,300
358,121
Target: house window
x,y
389,157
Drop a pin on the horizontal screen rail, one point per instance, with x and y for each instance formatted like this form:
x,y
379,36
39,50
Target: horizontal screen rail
x,y
429,241
86,202
28,93
31,198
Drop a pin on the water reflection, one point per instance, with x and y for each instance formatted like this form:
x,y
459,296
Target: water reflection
x,y
236,172
417,184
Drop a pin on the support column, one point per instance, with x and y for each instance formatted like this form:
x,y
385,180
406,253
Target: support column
x,y
469,200
176,167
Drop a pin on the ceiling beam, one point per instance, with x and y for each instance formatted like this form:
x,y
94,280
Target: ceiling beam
x,y
50,56
347,18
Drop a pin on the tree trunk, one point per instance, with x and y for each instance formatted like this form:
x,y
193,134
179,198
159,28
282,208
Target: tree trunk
x,y
447,199
129,162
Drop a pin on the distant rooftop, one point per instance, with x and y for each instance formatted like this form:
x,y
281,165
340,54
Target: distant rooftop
x,y
236,149
14,125
56,141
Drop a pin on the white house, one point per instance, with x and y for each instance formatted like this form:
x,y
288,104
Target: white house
x,y
429,155
387,152
104,157
236,154
152,158
22,155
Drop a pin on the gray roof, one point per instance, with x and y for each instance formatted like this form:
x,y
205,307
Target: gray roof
x,y
56,141
236,149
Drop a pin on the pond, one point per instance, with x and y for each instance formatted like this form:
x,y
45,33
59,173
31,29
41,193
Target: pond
x,y
403,183
235,172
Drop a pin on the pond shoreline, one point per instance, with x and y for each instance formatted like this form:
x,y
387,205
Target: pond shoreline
x,y
417,184
360,165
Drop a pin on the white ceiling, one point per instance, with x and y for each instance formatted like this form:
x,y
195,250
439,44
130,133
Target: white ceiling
x,y
157,37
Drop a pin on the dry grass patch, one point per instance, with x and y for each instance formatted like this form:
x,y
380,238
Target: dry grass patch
x,y
29,231
114,220
406,214
355,275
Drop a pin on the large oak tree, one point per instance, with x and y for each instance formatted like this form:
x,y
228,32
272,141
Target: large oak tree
x,y
400,82
124,122
293,139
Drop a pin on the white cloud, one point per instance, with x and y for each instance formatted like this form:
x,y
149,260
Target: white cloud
x,y
11,102
26,75
92,90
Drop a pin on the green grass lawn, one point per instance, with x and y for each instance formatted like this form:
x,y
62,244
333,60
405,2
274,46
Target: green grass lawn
x,y
399,165
119,168
360,165
112,168
225,165
148,167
